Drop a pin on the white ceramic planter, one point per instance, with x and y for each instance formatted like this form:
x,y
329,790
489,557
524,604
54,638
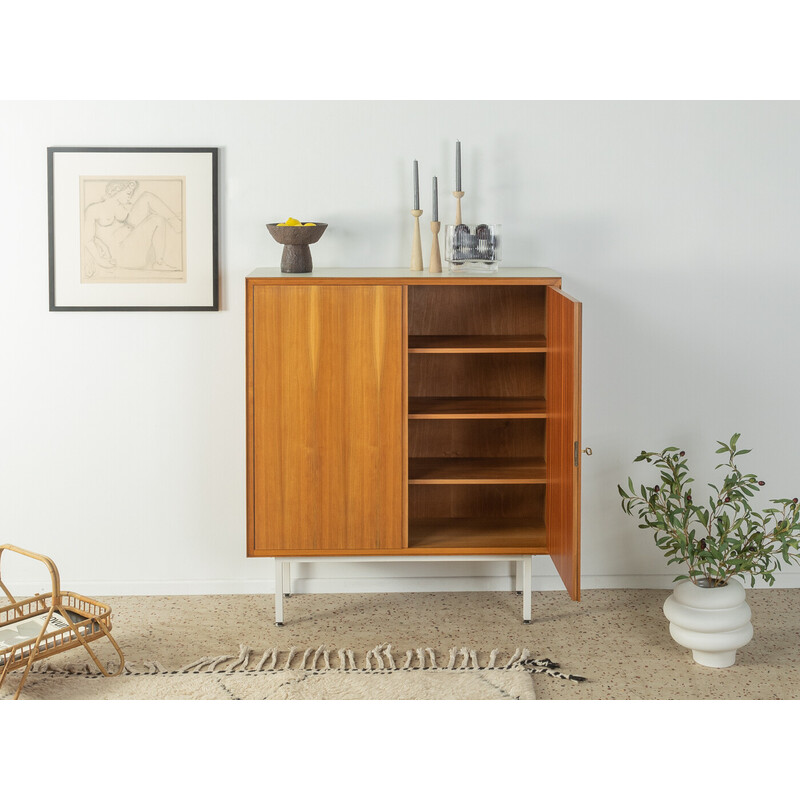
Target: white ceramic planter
x,y
712,622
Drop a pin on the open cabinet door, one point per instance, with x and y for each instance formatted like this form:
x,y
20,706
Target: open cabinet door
x,y
563,388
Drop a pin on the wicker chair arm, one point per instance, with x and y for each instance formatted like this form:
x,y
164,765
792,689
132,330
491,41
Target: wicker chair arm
x,y
48,562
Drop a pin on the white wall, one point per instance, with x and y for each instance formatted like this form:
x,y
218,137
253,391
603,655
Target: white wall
x,y
122,452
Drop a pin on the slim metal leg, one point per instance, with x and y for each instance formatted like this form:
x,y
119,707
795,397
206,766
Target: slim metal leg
x,y
526,589
279,591
522,575
287,578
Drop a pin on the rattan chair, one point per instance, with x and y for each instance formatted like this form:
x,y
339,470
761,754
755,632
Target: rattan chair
x,y
58,621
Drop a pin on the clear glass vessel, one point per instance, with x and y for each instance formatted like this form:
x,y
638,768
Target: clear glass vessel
x,y
473,248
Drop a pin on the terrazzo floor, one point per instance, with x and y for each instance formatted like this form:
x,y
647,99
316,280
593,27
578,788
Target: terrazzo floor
x,y
618,639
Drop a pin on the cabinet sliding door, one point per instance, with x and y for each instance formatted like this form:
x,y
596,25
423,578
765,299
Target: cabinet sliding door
x,y
326,416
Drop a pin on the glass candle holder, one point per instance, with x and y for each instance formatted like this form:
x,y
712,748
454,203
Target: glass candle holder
x,y
473,248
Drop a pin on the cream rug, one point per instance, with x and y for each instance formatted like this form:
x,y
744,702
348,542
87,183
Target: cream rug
x,y
310,674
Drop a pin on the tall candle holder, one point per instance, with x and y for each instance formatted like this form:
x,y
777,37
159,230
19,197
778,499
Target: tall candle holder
x,y
458,196
416,243
436,256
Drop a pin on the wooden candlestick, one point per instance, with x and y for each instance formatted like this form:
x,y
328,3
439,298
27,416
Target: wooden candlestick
x,y
458,196
436,257
416,244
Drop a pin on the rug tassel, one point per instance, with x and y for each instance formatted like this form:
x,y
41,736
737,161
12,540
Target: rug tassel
x,y
317,654
451,664
217,661
409,657
514,659
289,659
195,666
388,654
421,657
545,666
241,662
376,652
492,659
305,657
267,653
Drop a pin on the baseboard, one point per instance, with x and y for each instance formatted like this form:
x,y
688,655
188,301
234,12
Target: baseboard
x,y
367,585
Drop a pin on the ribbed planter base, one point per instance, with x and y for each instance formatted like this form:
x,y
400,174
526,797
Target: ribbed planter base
x,y
712,622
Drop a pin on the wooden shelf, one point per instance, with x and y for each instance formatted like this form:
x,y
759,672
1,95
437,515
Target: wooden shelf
x,y
476,470
476,408
477,344
491,534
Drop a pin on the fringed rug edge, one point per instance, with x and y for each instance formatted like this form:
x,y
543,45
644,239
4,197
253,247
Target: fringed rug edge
x,y
322,658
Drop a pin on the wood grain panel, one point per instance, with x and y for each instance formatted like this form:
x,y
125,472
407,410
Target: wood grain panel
x,y
476,375
327,418
563,399
479,535
476,310
429,501
471,438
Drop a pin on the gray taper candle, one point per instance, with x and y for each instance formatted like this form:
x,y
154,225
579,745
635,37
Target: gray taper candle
x,y
458,166
416,186
435,217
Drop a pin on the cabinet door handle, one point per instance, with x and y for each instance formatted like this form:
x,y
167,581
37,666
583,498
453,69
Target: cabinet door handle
x,y
587,450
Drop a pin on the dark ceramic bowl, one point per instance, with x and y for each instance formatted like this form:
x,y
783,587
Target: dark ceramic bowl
x,y
297,234
296,239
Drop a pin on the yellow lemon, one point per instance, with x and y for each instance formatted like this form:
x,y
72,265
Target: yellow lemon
x,y
312,224
293,221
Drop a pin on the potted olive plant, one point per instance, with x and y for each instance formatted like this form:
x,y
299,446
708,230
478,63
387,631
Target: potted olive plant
x,y
715,544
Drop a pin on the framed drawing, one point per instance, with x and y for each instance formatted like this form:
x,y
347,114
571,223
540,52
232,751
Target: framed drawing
x,y
133,228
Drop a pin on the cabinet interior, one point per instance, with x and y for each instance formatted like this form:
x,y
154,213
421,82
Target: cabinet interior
x,y
477,421
476,310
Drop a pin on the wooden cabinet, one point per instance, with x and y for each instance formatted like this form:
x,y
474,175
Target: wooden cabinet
x,y
399,413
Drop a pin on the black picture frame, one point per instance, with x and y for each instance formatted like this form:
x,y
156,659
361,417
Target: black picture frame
x,y
171,262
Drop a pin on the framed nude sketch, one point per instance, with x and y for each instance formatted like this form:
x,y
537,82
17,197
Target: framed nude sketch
x,y
133,228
